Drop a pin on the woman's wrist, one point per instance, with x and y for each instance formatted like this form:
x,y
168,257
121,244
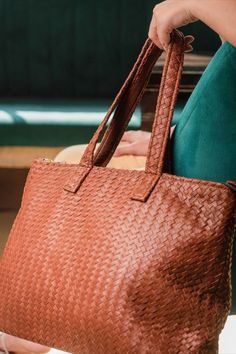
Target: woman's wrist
x,y
194,9
218,15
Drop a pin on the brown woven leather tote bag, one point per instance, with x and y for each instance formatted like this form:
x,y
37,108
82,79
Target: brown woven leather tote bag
x,y
110,261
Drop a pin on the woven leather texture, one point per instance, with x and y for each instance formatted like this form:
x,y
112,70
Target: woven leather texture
x,y
89,268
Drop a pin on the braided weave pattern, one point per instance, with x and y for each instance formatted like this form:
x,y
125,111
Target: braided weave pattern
x,y
96,272
108,261
165,108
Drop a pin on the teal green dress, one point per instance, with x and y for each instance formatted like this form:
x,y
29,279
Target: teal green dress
x,y
204,141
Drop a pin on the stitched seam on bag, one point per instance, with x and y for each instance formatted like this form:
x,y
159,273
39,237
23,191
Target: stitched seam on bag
x,y
230,248
219,319
56,165
216,185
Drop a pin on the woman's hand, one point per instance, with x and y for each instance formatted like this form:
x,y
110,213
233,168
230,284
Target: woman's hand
x,y
167,16
135,143
219,15
21,346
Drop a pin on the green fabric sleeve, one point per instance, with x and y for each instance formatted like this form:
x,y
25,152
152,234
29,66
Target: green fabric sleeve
x,y
204,142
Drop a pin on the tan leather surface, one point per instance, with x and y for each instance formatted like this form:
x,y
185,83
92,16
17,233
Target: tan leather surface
x,y
72,154
90,268
22,156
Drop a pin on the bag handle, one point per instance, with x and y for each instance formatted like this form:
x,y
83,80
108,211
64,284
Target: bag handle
x,y
126,102
124,105
127,106
166,101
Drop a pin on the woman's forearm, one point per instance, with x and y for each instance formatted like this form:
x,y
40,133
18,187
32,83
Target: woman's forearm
x,y
220,15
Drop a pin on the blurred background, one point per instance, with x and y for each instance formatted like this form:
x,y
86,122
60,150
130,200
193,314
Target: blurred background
x,y
71,48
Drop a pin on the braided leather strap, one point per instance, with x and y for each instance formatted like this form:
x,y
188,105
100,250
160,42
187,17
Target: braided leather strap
x,y
127,100
124,105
